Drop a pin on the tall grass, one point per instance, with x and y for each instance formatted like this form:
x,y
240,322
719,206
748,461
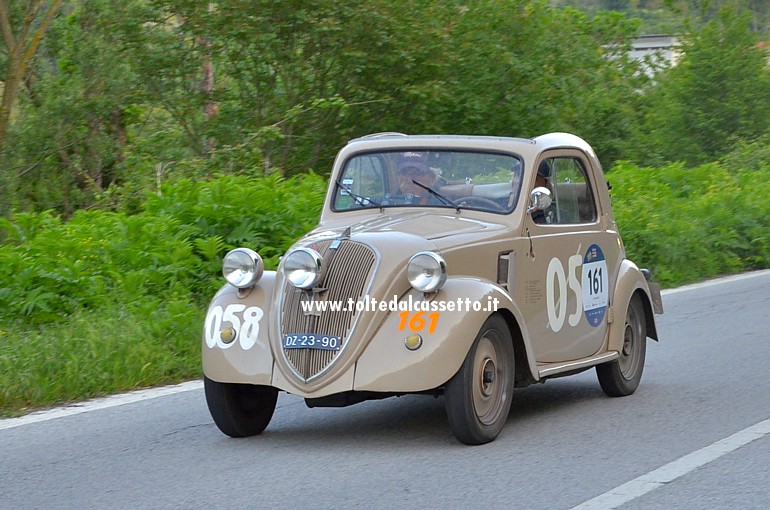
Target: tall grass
x,y
93,353
109,301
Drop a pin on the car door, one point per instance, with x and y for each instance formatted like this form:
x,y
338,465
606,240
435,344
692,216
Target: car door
x,y
571,263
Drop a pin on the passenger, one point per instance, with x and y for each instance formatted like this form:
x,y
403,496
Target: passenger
x,y
543,174
541,181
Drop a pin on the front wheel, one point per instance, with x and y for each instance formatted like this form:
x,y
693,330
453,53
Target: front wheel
x,y
240,410
478,397
621,377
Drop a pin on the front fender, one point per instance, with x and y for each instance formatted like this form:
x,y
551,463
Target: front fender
x,y
388,366
246,358
630,281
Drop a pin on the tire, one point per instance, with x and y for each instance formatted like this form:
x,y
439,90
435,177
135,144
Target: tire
x,y
240,410
621,377
478,397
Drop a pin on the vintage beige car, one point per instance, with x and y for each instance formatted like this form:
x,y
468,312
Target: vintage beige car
x,y
461,266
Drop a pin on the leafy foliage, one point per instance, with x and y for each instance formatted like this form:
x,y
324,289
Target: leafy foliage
x,y
127,95
108,301
671,16
119,102
268,213
50,268
717,96
690,224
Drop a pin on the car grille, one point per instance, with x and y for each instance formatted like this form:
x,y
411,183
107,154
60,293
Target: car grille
x,y
346,277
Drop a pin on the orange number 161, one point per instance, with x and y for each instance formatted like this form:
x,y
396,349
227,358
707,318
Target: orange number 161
x,y
417,322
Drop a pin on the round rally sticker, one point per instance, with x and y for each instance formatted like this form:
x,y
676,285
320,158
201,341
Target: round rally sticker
x,y
595,285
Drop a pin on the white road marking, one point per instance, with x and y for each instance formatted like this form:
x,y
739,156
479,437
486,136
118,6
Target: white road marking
x,y
100,403
641,485
717,281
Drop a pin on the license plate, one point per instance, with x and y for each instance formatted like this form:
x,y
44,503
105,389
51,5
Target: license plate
x,y
312,341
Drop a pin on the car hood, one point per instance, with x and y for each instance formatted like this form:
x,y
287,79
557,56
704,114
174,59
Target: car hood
x,y
426,225
397,237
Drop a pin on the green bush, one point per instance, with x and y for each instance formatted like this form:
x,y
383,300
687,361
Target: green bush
x,y
50,269
267,213
56,268
108,301
688,224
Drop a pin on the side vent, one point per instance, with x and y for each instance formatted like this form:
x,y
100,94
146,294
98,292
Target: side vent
x,y
504,260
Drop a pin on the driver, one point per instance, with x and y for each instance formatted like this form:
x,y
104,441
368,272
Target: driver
x,y
413,167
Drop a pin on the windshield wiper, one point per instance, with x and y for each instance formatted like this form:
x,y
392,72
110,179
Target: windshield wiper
x,y
438,195
363,201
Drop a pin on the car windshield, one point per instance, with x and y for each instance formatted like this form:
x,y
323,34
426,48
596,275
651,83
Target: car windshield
x,y
429,178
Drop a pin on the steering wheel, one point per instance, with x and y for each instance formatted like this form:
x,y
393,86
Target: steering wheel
x,y
483,202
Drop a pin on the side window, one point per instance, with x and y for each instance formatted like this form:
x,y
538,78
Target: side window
x,y
574,202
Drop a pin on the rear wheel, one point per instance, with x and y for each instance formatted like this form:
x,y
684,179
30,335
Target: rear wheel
x,y
621,377
240,410
478,397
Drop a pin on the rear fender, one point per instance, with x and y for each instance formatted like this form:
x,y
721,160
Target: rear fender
x,y
630,281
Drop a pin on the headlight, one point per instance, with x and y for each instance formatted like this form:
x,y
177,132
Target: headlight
x,y
242,267
302,267
426,271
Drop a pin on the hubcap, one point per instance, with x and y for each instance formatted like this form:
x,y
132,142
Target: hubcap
x,y
628,337
629,354
487,377
489,388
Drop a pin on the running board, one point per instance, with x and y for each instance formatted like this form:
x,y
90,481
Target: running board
x,y
551,369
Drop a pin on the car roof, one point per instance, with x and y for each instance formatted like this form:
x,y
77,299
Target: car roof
x,y
437,139
525,146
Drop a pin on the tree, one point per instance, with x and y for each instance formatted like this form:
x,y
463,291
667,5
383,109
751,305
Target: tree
x,y
520,68
21,48
119,99
717,95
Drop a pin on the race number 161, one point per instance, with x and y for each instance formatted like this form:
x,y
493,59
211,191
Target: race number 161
x,y
416,321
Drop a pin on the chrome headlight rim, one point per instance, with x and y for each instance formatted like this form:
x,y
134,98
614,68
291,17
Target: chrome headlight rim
x,y
312,268
421,281
242,267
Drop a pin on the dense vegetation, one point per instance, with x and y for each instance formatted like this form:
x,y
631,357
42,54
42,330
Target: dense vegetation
x,y
114,97
108,301
140,140
673,16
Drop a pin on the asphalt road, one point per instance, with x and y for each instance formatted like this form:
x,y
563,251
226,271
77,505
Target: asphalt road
x,y
684,440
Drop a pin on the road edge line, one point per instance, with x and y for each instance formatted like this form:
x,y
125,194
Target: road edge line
x,y
99,403
667,473
717,281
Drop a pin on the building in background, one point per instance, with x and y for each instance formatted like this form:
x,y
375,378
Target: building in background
x,y
660,48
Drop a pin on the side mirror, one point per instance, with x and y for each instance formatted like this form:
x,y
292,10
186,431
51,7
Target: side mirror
x,y
539,199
